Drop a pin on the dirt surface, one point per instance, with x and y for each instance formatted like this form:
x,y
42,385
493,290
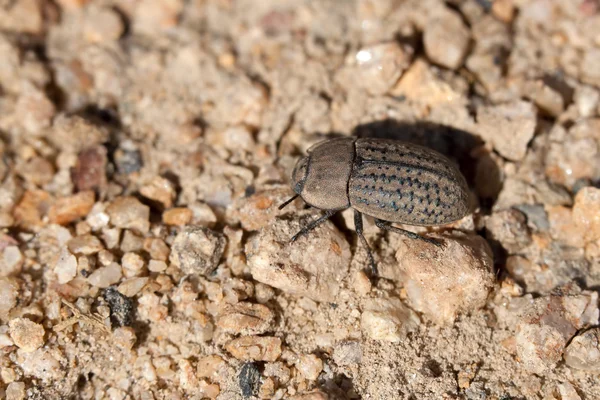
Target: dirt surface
x,y
146,145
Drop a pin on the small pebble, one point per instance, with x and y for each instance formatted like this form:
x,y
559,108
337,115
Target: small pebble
x,y
255,348
347,353
388,320
31,208
103,277
121,307
85,244
26,334
133,265
129,213
310,366
177,216
157,266
157,248
509,227
15,391
9,292
197,250
211,367
249,379
90,171
69,209
66,266
132,286
586,213
378,67
11,261
124,337
446,39
583,352
245,318
160,190
508,127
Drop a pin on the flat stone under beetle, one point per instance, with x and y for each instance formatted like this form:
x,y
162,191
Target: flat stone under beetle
x,y
389,180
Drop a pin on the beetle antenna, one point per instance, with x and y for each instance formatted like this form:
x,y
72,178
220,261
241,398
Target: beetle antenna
x,y
288,201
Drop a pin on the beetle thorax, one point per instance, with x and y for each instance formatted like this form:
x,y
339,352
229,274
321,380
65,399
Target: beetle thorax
x,y
321,179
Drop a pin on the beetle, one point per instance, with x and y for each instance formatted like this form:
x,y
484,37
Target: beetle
x,y
390,180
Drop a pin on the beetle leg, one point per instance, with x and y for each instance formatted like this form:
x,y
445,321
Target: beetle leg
x,y
314,224
358,226
386,226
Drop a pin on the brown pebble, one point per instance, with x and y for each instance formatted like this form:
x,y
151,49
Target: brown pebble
x,y
245,318
71,208
255,348
90,171
32,207
177,216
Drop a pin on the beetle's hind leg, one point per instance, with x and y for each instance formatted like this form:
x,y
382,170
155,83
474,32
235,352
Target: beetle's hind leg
x,y
381,224
328,214
358,226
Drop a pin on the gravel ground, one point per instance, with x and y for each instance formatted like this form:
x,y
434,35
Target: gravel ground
x,y
146,145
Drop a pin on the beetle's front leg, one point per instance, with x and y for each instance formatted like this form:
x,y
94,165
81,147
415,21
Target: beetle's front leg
x,y
328,214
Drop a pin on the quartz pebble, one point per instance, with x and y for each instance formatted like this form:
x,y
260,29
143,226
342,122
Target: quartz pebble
x,y
197,250
583,352
313,266
446,39
85,244
69,209
255,348
11,261
157,248
442,282
103,277
245,318
66,266
160,190
26,334
132,286
15,391
378,67
129,213
310,366
508,127
387,320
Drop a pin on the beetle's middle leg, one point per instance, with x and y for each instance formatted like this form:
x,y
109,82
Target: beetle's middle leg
x,y
358,226
381,224
328,214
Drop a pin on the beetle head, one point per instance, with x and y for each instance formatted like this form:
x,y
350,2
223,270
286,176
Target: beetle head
x,y
299,175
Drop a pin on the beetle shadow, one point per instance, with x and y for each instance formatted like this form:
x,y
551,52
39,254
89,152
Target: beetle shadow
x,y
456,144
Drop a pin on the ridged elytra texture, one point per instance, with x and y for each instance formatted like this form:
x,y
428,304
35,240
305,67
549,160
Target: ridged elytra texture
x,y
390,180
406,183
